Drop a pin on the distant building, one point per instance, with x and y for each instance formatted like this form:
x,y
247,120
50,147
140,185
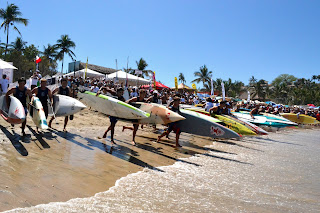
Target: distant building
x,y
97,68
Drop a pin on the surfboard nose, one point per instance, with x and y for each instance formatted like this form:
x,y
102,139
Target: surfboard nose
x,y
173,116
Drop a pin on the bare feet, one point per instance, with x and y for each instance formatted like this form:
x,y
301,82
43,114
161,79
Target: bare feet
x,y
65,130
178,145
113,143
104,135
123,129
158,139
133,143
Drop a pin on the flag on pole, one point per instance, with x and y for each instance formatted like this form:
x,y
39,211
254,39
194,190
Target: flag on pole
x,y
126,83
195,88
223,91
248,99
154,80
85,71
176,83
212,89
38,59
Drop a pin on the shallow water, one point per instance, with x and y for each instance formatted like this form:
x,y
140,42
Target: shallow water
x,y
275,173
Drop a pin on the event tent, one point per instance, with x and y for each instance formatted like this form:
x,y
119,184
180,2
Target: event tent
x,y
6,65
158,86
132,79
90,73
182,86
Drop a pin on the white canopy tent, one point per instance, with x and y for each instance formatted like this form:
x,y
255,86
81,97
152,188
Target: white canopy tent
x,y
90,74
6,65
132,79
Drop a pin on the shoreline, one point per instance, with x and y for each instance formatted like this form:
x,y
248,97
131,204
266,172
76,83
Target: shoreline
x,y
59,166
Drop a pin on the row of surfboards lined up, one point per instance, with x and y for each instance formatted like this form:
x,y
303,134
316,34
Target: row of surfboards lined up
x,y
193,120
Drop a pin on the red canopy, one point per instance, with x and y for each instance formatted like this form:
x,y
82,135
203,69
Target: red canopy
x,y
158,86
311,105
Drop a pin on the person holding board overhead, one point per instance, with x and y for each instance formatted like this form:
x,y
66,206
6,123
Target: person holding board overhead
x,y
62,90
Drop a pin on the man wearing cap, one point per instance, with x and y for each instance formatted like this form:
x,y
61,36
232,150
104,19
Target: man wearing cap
x,y
43,93
20,92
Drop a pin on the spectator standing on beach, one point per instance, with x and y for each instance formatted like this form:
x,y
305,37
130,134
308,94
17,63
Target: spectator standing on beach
x,y
20,92
62,90
133,93
34,80
4,84
94,88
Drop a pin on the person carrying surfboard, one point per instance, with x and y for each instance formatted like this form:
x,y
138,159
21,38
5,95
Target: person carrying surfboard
x,y
140,98
173,126
20,92
43,93
62,90
113,120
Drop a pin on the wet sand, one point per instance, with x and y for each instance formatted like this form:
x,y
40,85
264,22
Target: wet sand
x,y
57,166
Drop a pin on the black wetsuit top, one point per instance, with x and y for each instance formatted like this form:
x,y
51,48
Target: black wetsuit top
x,y
43,97
64,91
21,95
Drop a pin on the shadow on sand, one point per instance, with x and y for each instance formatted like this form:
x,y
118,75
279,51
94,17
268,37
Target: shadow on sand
x,y
14,138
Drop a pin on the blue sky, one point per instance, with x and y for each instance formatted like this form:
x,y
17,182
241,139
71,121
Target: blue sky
x,y
234,39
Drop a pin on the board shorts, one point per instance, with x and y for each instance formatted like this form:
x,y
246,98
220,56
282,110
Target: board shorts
x,y
25,110
173,127
113,119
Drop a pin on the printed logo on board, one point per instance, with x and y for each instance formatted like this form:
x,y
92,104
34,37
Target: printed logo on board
x,y
216,131
16,111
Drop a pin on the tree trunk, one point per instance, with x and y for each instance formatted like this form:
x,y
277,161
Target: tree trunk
x,y
62,63
5,53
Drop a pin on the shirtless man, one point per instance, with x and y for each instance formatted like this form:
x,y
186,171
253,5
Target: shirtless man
x,y
62,90
20,92
113,120
173,125
140,98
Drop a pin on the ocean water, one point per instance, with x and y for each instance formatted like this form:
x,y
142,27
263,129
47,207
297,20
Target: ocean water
x,y
275,173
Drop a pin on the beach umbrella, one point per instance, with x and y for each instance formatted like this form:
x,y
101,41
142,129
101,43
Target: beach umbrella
x,y
6,65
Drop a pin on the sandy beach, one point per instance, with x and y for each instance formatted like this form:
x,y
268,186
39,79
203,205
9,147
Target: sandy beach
x,y
253,174
58,166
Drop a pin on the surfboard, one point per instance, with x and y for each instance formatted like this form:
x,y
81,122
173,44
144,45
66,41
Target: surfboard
x,y
301,119
111,106
15,114
65,106
159,114
203,125
231,124
260,120
38,115
255,128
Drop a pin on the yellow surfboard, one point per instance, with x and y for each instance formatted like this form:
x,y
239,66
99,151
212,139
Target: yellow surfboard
x,y
300,119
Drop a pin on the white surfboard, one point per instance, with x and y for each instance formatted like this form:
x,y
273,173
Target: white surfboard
x,y
159,114
111,106
15,114
65,106
38,115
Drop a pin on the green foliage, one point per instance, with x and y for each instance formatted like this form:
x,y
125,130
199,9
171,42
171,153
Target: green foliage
x,y
181,78
203,75
10,16
64,45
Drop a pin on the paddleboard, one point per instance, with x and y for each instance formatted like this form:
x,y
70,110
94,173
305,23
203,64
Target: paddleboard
x,y
249,125
65,106
15,114
260,120
203,125
301,119
38,115
159,114
231,124
111,106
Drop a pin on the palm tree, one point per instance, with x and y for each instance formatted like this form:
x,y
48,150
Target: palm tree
x,y
10,16
18,45
203,75
252,81
64,45
141,65
50,52
181,78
